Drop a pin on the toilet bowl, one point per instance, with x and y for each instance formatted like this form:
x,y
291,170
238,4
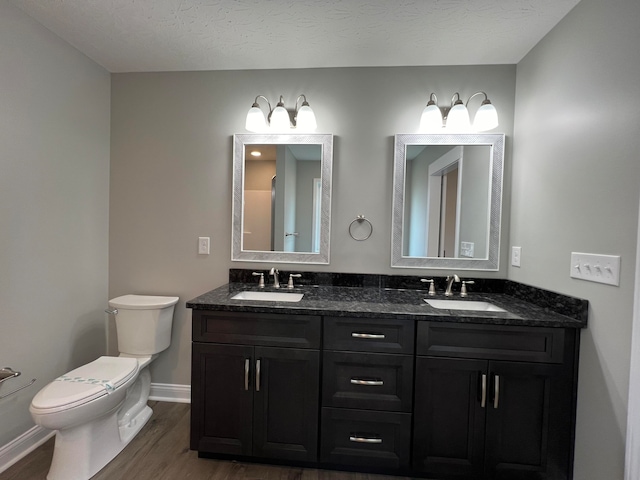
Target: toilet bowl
x,y
98,408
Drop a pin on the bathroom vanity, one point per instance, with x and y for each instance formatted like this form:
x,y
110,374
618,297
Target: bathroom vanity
x,y
369,376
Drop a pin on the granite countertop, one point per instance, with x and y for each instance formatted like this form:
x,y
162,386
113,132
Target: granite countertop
x,y
375,302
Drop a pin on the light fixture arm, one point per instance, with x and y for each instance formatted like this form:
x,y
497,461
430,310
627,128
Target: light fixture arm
x,y
484,102
304,103
456,102
256,105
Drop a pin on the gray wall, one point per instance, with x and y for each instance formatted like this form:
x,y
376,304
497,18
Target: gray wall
x,y
575,187
54,182
171,158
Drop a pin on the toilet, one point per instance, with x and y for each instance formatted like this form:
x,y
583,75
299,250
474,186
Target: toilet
x,y
99,407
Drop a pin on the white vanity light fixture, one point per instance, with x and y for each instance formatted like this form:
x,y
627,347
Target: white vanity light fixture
x,y
455,118
278,120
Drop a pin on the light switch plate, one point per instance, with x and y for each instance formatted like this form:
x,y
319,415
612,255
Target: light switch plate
x,y
203,245
596,268
516,253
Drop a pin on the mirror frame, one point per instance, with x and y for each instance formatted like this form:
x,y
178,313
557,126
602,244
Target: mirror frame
x,y
496,142
240,140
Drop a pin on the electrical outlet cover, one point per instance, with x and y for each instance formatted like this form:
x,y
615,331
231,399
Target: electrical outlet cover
x,y
516,254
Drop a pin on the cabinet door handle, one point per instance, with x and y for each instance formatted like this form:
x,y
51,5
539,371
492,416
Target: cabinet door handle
x,y
360,438
367,335
496,390
246,374
483,399
365,381
257,375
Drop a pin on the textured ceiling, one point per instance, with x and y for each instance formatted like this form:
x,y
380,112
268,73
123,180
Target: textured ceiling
x,y
170,35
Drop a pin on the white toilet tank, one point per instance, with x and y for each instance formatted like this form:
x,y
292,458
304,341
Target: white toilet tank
x,y
143,323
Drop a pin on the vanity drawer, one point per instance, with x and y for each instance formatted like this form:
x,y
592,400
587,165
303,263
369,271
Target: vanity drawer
x,y
497,342
374,381
294,331
369,335
365,438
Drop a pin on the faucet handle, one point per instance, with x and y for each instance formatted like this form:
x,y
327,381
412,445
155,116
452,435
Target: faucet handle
x,y
463,289
261,281
432,287
291,277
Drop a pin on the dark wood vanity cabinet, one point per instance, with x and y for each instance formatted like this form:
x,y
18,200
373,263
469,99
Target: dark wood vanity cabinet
x,y
493,402
255,385
442,400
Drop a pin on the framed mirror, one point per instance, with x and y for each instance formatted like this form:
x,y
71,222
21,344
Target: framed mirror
x,y
447,201
281,197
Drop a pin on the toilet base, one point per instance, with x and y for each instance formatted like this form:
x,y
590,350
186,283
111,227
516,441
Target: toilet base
x,y
82,451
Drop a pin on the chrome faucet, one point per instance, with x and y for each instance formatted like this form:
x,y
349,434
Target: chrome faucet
x,y
276,281
450,280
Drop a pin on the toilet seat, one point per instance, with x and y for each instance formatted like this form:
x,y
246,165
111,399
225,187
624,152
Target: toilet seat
x,y
84,384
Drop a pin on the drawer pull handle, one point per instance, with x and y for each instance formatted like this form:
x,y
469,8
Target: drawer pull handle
x,y
246,374
257,375
367,335
483,401
496,392
358,438
363,381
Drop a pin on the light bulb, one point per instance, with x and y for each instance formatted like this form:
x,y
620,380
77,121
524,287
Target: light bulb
x,y
306,119
255,120
458,118
486,117
431,119
280,118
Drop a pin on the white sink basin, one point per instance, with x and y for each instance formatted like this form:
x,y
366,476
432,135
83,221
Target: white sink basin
x,y
269,296
464,305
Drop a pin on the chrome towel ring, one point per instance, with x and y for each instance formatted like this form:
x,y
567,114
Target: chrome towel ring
x,y
359,222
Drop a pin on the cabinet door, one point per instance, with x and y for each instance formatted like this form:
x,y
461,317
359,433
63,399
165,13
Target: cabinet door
x,y
528,422
449,417
286,403
221,399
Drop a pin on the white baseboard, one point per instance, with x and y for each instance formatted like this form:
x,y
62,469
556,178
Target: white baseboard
x,y
26,443
169,392
22,446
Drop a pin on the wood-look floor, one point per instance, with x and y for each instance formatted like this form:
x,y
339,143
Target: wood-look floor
x,y
161,452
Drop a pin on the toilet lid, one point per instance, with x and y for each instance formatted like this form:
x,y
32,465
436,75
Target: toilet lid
x,y
88,382
142,302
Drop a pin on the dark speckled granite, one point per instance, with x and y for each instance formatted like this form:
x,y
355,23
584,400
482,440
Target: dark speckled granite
x,y
377,296
554,302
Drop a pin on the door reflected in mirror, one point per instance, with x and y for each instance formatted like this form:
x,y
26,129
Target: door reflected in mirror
x,y
447,201
282,197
